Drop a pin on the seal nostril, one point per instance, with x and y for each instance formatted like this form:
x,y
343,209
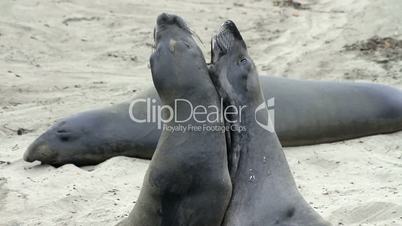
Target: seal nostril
x,y
290,212
162,19
176,20
64,138
228,22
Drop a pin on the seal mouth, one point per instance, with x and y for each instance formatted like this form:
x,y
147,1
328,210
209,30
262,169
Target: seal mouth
x,y
228,34
40,150
165,19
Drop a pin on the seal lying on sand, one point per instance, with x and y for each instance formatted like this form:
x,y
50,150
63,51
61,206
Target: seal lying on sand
x,y
306,112
187,182
264,192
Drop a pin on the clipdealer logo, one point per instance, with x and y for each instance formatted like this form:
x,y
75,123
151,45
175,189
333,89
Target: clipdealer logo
x,y
267,106
163,114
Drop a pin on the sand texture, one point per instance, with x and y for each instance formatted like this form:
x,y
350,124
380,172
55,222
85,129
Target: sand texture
x,y
59,57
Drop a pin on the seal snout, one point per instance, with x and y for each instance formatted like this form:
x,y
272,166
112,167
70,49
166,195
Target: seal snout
x,y
39,150
225,39
170,19
164,18
227,33
230,26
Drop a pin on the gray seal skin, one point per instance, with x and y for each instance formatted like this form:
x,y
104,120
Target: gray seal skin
x,y
264,191
91,137
187,182
306,112
313,112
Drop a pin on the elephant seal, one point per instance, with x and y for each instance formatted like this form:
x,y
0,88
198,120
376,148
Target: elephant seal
x,y
306,112
187,182
91,137
264,191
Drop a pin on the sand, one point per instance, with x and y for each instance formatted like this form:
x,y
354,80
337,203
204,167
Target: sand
x,y
64,56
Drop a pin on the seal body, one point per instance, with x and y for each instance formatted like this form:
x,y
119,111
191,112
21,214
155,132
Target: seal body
x,y
312,112
187,182
306,112
264,192
91,137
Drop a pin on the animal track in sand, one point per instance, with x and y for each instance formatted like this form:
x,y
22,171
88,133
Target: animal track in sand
x,y
369,212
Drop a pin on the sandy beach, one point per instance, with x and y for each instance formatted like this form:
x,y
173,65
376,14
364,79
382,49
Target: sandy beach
x,y
59,57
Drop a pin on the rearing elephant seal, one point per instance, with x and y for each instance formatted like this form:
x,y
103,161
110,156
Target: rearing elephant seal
x,y
264,191
187,182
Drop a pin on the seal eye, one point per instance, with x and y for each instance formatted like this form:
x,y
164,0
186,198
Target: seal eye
x,y
187,44
243,60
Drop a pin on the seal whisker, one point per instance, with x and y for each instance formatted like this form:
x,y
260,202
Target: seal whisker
x,y
195,35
